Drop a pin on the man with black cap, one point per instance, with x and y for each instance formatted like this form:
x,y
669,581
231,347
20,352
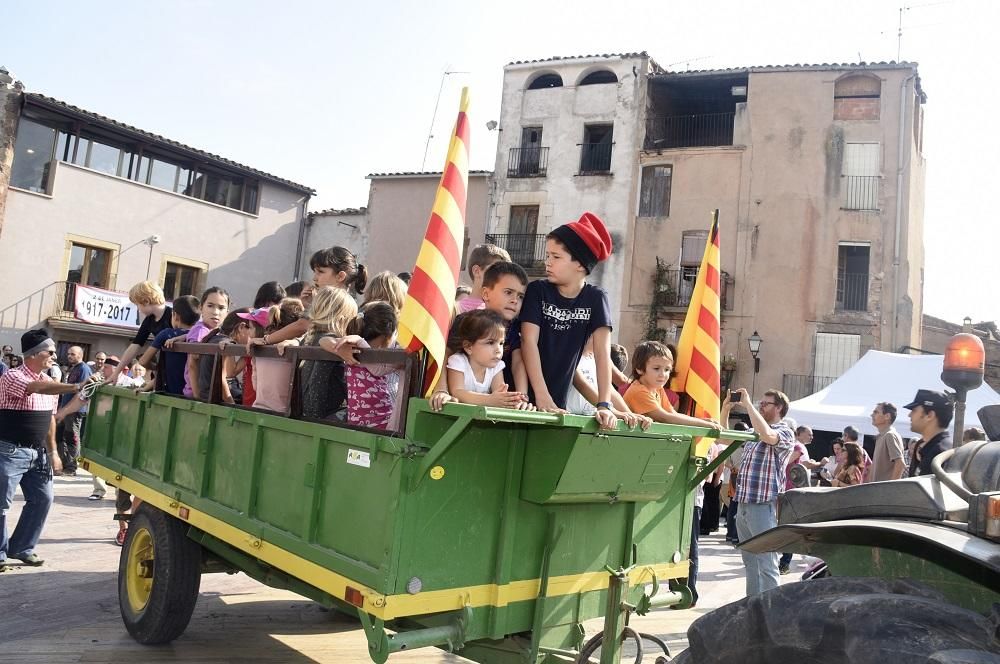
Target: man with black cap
x,y
28,456
930,415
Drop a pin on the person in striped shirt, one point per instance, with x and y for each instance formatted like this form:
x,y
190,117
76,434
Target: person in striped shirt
x,y
28,455
761,479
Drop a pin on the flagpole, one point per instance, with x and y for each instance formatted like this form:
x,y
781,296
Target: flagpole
x,y
426,313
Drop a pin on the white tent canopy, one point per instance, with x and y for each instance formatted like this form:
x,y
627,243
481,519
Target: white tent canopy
x,y
876,377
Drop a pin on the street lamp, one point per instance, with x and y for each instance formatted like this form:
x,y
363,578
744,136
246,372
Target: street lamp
x,y
150,242
754,342
964,359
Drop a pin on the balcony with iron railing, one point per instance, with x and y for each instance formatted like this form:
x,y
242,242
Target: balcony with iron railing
x,y
861,192
677,286
56,300
664,132
852,291
527,162
525,249
595,158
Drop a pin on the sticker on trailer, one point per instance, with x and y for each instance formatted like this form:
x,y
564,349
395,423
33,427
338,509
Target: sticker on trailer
x,y
359,458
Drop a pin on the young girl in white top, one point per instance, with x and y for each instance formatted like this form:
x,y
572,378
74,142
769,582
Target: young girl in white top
x,y
475,375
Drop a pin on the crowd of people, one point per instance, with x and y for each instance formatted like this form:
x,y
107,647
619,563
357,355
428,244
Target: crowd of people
x,y
542,345
751,480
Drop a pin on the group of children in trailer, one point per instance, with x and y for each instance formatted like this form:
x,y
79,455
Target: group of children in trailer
x,y
543,345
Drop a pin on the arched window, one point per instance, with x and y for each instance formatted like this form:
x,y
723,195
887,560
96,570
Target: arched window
x,y
598,77
546,81
857,97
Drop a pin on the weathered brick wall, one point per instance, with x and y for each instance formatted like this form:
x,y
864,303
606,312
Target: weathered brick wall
x,y
856,108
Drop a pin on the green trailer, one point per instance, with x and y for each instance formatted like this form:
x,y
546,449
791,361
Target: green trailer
x,y
490,532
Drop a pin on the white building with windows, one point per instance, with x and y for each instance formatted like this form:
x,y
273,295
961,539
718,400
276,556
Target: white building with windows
x,y
90,202
817,171
569,135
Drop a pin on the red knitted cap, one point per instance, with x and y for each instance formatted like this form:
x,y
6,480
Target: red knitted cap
x,y
587,239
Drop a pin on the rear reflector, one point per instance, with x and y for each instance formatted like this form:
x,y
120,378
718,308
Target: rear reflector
x,y
184,513
354,596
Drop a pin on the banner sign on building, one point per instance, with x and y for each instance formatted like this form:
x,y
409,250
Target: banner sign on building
x,y
105,307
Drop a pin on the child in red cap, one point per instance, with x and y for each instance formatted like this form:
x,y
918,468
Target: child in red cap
x,y
562,311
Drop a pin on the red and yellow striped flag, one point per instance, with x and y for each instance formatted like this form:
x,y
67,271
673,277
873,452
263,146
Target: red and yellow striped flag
x,y
426,313
698,356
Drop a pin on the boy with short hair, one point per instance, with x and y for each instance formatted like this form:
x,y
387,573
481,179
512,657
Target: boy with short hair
x,y
148,297
184,316
562,311
481,258
504,285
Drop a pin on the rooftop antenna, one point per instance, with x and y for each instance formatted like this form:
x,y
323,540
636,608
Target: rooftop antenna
x,y
430,132
899,33
687,63
899,27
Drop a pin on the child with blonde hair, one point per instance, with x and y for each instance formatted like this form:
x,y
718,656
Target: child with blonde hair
x,y
322,383
148,298
386,287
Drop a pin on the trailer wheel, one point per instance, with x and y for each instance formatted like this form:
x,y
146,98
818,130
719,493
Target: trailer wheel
x,y
843,619
159,573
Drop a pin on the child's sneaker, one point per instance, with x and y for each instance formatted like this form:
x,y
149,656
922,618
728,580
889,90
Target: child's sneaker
x,y
120,537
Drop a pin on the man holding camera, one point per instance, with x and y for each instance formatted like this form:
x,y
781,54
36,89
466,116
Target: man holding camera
x,y
761,479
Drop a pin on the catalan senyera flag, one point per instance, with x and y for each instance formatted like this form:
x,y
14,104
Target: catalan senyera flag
x,y
426,313
698,354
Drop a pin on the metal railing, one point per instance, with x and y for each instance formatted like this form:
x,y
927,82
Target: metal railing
x,y
797,386
408,367
525,249
678,287
689,131
66,296
527,162
861,192
852,291
595,158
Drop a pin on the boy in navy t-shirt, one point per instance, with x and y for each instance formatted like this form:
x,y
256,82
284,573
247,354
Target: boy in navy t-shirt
x,y
562,311
184,315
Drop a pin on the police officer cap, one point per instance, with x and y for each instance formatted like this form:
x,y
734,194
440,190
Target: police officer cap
x,y
930,399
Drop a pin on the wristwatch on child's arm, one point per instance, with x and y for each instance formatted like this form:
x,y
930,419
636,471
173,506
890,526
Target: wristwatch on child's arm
x,y
603,405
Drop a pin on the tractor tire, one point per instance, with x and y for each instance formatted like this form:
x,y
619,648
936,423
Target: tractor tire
x,y
843,619
159,574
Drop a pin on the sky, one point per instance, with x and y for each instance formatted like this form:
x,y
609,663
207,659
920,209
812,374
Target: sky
x,y
324,93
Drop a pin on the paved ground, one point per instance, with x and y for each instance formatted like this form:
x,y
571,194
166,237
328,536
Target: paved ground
x,y
67,610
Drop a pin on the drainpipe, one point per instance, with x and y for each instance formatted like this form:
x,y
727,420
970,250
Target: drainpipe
x,y
899,211
303,219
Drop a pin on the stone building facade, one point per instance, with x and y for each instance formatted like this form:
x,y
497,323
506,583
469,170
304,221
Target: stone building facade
x,y
817,172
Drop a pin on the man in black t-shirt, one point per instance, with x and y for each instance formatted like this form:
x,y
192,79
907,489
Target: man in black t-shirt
x,y
930,415
148,296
